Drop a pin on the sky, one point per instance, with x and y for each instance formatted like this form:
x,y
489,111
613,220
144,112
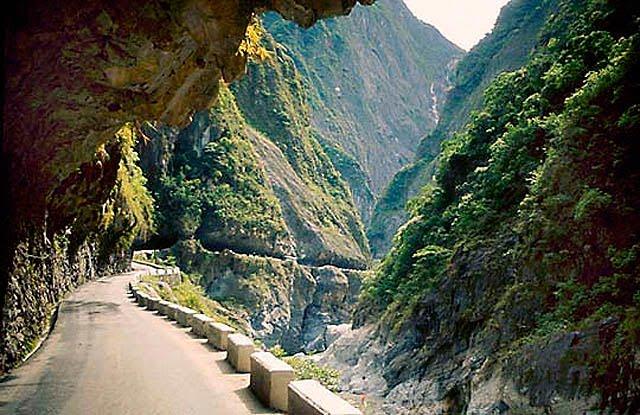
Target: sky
x,y
464,22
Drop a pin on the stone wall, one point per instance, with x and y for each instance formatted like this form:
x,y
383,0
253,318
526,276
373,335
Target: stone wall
x,y
42,273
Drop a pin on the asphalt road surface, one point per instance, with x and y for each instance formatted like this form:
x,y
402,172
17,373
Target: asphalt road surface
x,y
107,355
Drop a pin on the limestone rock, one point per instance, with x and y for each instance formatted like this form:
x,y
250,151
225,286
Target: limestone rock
x,y
288,303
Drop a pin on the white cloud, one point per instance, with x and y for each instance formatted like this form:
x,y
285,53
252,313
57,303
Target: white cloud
x,y
464,22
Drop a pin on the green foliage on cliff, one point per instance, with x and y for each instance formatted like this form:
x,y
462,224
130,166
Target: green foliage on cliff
x,y
275,101
129,210
369,78
220,186
507,48
549,162
250,174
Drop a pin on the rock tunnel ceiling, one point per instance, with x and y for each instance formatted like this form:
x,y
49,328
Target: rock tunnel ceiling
x,y
77,71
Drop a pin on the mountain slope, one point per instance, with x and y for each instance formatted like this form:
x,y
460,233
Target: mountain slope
x,y
514,287
250,176
376,85
506,48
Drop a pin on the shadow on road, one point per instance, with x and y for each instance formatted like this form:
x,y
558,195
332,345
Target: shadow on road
x,y
91,307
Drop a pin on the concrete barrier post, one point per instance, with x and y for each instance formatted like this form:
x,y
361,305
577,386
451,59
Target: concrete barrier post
x,y
239,350
143,299
182,315
309,397
162,307
198,322
218,334
270,377
172,310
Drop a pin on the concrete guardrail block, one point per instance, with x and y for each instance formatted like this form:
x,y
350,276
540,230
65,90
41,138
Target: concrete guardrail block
x,y
182,315
142,299
147,301
162,307
309,397
199,322
218,334
172,310
152,303
239,350
270,378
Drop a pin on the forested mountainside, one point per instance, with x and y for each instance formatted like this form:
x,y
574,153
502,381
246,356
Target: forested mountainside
x,y
253,209
376,86
250,176
514,286
506,48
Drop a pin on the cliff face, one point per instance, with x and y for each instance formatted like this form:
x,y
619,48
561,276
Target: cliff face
x,y
514,286
80,78
278,301
377,84
506,48
251,176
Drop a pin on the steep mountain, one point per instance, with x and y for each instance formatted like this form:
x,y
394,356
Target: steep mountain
x,y
506,48
250,176
79,79
514,286
252,208
376,85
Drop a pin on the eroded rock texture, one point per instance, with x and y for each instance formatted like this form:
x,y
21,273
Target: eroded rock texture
x,y
76,72
284,302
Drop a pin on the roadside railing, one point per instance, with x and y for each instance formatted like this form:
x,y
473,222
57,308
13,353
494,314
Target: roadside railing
x,y
170,275
271,379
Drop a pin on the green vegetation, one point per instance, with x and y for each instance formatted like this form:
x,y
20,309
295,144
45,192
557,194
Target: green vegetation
x,y
508,47
251,45
361,74
250,174
549,164
306,368
390,211
190,294
129,210
274,100
220,188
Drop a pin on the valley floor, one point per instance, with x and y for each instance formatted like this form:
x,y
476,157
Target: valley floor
x,y
108,356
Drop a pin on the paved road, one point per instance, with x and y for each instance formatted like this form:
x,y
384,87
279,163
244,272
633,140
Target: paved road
x,y
106,355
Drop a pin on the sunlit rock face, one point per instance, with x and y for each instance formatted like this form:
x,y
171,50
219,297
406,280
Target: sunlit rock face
x,y
78,70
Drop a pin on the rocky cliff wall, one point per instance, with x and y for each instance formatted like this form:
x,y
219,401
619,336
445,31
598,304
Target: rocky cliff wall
x,y
284,302
42,273
76,74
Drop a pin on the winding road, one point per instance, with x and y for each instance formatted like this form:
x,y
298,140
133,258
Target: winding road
x,y
106,355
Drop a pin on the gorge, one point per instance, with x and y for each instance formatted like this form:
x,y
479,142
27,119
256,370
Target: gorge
x,y
454,232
